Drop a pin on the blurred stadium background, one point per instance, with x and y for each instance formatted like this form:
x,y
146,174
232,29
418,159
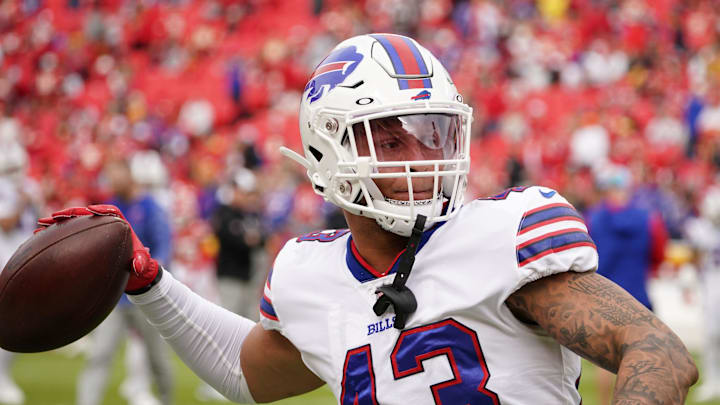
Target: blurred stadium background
x,y
192,91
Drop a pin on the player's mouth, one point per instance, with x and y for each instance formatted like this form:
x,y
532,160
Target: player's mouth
x,y
418,195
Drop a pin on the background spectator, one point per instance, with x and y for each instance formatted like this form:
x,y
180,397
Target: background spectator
x,y
153,228
630,241
238,228
704,234
20,205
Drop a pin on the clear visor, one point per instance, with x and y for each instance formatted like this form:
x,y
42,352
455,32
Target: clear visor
x,y
416,137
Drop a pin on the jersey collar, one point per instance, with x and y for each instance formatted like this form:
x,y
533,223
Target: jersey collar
x,y
364,272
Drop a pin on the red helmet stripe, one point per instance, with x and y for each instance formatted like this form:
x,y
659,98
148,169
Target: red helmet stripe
x,y
406,59
409,63
328,67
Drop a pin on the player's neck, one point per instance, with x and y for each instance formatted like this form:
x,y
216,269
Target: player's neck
x,y
377,246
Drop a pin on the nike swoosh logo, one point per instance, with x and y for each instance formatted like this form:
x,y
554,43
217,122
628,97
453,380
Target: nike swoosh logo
x,y
547,194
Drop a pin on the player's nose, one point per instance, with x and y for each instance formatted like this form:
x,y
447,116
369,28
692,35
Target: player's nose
x,y
422,167
421,153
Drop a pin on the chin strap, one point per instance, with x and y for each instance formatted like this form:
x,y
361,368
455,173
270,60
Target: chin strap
x,y
396,294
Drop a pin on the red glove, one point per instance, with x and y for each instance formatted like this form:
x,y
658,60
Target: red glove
x,y
145,269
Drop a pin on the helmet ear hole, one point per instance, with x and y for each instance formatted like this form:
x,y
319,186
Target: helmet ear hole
x,y
316,153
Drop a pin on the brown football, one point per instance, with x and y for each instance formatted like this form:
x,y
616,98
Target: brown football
x,y
62,282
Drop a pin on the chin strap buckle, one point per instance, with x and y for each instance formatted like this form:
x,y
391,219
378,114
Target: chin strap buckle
x,y
397,294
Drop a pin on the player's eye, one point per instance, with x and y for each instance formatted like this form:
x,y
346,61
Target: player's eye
x,y
390,144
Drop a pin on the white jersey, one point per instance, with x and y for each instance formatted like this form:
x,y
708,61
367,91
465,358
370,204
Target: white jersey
x,y
462,345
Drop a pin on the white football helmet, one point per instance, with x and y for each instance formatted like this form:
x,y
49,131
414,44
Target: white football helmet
x,y
379,108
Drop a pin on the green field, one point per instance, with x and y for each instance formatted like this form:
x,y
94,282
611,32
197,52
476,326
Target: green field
x,y
49,379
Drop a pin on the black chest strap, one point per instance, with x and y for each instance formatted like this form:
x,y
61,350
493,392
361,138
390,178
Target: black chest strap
x,y
397,294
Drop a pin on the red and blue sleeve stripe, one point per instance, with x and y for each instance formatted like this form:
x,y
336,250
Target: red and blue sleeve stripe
x,y
406,60
266,308
548,214
268,283
552,242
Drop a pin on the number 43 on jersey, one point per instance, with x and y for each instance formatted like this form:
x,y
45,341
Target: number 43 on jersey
x,y
450,338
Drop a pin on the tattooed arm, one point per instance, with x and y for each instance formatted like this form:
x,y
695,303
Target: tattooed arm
x,y
598,320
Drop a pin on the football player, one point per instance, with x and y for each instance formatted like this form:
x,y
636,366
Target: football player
x,y
424,300
703,233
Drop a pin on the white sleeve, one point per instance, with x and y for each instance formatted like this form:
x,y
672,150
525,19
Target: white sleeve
x,y
552,237
285,260
208,338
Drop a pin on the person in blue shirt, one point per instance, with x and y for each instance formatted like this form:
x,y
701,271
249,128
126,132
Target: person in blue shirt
x,y
152,226
630,240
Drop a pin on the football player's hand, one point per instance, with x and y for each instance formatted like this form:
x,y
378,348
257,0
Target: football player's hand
x,y
144,267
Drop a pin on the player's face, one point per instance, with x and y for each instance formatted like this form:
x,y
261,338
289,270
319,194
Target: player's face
x,y
410,138
119,178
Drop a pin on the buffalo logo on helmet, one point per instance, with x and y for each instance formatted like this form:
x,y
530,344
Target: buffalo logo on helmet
x,y
423,95
332,71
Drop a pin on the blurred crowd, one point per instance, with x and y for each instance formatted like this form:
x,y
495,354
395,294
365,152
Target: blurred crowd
x,y
197,96
194,91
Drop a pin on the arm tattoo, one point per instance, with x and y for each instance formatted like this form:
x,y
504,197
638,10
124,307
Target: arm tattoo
x,y
601,322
